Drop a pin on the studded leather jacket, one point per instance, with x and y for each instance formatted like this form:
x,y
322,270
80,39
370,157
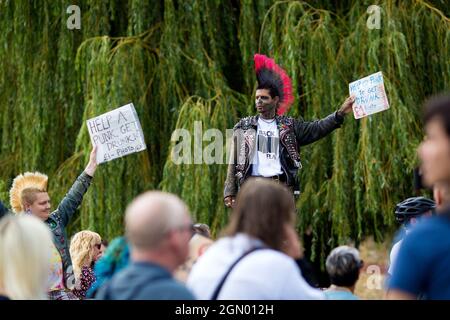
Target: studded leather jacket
x,y
293,134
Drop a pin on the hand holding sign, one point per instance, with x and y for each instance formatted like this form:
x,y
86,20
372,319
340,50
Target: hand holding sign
x,y
116,133
370,95
92,164
347,105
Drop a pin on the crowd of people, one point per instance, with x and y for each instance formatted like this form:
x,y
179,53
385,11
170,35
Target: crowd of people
x,y
164,255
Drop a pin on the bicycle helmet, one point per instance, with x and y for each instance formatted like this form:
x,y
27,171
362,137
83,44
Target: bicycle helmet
x,y
413,207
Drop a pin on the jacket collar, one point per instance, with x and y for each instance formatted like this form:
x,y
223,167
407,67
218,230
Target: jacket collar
x,y
254,119
283,123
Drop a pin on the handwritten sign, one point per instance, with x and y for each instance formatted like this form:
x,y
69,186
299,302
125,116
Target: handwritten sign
x,y
370,95
116,133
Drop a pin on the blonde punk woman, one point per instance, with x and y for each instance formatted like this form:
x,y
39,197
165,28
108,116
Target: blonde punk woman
x,y
84,250
29,194
25,251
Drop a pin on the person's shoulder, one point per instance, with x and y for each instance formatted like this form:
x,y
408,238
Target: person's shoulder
x,y
216,250
430,231
124,275
396,246
246,123
289,121
119,284
431,225
167,289
179,289
285,118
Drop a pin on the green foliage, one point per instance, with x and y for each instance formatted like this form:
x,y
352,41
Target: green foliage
x,y
185,61
353,178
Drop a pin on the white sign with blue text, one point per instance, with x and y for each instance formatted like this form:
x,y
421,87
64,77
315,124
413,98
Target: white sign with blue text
x,y
370,96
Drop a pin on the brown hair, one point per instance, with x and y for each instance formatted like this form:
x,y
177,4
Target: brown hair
x,y
263,208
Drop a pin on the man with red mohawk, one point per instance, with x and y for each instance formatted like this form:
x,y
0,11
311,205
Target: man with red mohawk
x,y
267,145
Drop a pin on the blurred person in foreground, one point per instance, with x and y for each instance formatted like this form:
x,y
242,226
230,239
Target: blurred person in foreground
x,y
255,260
158,228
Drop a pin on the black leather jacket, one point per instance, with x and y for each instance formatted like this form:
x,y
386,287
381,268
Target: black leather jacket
x,y
293,134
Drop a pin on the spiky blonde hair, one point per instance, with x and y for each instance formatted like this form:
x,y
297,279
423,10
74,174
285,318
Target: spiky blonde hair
x,y
29,180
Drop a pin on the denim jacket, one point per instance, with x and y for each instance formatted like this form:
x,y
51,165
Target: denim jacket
x,y
60,218
293,134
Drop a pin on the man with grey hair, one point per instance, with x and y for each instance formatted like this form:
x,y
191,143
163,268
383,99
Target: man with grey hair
x,y
158,228
343,266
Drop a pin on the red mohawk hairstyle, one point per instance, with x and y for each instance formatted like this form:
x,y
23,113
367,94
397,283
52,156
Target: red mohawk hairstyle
x,y
268,72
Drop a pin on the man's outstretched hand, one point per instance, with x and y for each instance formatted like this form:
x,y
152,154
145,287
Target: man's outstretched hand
x,y
229,201
92,164
347,105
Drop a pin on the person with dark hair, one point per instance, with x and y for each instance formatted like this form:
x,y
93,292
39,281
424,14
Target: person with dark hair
x,y
3,210
423,261
255,259
343,266
267,145
25,251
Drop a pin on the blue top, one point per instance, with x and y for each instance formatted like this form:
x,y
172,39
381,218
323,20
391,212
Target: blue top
x,y
339,295
115,258
423,263
143,281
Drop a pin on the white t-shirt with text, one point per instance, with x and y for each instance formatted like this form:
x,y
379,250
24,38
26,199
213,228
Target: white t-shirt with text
x,y
266,159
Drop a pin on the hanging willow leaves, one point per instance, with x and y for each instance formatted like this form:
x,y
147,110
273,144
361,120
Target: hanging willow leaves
x,y
186,61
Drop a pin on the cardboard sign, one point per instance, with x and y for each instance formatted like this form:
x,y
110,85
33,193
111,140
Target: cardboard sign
x,y
370,95
116,133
